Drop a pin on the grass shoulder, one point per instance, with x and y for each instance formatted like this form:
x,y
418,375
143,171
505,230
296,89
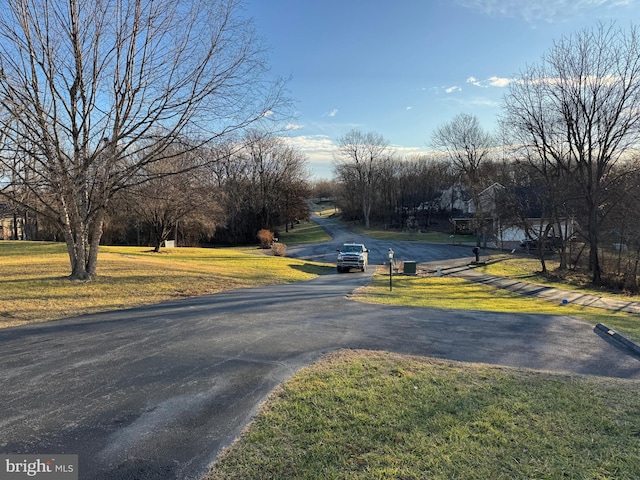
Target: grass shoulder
x,y
324,207
35,287
412,235
358,414
306,231
528,268
379,232
460,294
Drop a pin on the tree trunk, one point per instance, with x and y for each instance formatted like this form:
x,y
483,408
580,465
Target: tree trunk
x,y
366,210
160,232
367,201
540,251
82,244
631,280
95,234
543,262
78,255
15,227
562,255
156,238
565,237
594,259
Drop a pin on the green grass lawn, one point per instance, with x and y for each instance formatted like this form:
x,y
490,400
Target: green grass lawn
x,y
303,232
324,208
34,286
416,236
528,269
375,415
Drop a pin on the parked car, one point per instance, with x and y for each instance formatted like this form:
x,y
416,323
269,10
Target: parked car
x,y
550,244
529,244
352,255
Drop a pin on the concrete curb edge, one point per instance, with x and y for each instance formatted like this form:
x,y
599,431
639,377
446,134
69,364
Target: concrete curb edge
x,y
616,336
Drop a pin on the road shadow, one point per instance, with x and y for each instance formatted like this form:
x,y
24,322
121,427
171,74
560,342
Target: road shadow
x,y
313,269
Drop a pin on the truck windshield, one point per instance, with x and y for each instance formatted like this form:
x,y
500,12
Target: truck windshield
x,y
352,249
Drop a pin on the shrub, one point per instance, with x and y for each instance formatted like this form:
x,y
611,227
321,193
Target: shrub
x,y
278,249
265,237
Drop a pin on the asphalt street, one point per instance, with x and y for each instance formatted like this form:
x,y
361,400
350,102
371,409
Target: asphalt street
x,y
379,249
157,392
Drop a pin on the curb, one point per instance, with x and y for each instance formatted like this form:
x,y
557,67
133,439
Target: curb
x,y
616,336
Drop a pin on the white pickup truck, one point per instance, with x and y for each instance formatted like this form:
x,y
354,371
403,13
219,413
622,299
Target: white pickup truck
x,y
353,255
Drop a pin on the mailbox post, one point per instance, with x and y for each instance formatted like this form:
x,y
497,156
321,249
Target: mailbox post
x,y
390,270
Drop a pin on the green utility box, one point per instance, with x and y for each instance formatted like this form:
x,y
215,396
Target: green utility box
x,y
409,268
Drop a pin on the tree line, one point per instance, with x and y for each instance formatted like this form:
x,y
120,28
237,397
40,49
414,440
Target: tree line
x,y
567,147
220,195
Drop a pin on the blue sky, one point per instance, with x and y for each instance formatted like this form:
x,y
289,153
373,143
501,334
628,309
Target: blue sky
x,y
401,68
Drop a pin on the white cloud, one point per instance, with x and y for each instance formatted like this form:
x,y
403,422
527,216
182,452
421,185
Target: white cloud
x,y
548,11
331,113
402,151
484,102
321,148
409,108
605,80
439,90
472,102
317,148
499,82
474,81
320,151
293,126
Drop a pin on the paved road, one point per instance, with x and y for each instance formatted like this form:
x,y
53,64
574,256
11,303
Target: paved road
x,y
155,393
414,251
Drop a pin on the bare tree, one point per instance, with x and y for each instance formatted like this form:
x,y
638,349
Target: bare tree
x,y
263,185
170,198
468,146
359,162
578,111
294,188
422,180
274,168
93,92
324,189
232,177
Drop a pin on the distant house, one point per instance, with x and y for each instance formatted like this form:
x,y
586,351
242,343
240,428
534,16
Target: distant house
x,y
498,223
10,224
456,201
470,219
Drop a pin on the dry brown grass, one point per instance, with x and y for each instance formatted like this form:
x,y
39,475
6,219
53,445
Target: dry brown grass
x,y
35,288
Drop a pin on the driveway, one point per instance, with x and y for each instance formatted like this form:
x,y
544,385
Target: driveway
x,y
157,392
